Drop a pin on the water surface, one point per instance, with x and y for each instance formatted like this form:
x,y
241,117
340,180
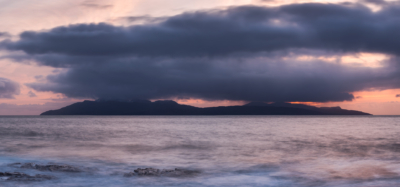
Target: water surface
x,y
276,151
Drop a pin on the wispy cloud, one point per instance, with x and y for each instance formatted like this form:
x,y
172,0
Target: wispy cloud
x,y
95,5
4,35
142,19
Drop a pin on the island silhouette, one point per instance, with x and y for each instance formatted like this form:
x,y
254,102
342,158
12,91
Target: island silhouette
x,y
168,107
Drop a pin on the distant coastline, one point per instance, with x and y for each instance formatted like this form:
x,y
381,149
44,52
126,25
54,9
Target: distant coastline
x,y
144,107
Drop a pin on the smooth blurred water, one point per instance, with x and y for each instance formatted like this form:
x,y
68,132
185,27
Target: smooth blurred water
x,y
281,151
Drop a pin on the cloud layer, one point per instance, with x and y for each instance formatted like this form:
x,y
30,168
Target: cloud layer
x,y
246,53
351,28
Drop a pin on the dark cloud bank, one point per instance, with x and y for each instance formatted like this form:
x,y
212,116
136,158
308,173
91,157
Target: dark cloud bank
x,y
240,53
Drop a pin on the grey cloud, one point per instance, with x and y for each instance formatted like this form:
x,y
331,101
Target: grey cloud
x,y
8,88
398,95
268,1
97,6
31,94
240,53
223,32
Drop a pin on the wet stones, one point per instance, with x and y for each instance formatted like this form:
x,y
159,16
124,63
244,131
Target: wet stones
x,y
165,172
17,176
49,167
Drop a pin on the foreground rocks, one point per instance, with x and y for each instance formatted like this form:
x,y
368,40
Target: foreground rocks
x,y
17,176
165,172
49,167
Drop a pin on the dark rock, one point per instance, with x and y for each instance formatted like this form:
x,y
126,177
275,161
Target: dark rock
x,y
165,172
180,172
147,172
16,176
49,167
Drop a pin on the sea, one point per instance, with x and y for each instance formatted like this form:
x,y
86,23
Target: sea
x,y
267,151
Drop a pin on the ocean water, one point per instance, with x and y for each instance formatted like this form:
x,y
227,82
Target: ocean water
x,y
268,151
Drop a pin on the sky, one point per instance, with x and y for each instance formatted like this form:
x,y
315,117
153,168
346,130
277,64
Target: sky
x,y
203,53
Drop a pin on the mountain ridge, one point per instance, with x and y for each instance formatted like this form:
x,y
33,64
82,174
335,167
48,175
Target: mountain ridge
x,y
168,107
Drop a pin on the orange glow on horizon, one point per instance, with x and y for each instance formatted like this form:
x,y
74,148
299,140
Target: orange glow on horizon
x,y
377,102
204,103
305,103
